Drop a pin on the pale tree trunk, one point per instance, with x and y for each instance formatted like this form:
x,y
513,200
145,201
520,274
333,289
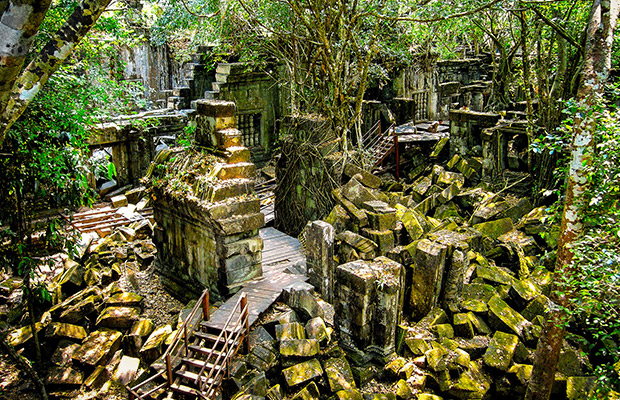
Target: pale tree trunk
x,y
597,63
19,22
53,54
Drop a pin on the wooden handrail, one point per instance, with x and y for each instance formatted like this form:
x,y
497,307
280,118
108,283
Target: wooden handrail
x,y
172,353
228,351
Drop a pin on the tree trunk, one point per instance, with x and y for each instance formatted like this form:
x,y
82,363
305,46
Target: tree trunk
x,y
597,64
19,21
53,54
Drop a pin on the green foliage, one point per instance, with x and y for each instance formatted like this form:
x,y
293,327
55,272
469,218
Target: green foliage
x,y
594,285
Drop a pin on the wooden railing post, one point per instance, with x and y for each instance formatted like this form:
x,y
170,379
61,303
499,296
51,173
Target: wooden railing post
x,y
245,320
169,369
397,154
205,306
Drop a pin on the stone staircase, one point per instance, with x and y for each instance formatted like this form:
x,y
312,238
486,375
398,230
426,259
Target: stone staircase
x,y
200,82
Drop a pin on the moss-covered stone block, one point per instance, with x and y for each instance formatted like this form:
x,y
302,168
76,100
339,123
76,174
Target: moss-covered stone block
x,y
501,350
339,374
302,372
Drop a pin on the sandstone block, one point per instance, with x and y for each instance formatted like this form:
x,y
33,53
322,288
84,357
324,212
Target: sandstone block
x,y
501,350
339,374
302,372
98,347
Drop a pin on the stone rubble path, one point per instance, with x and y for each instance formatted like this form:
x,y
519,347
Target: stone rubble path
x,y
280,251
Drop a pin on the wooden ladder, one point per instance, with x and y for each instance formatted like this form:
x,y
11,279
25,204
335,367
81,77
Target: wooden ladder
x,y
199,358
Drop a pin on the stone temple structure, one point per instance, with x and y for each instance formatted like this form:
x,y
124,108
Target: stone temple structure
x,y
205,207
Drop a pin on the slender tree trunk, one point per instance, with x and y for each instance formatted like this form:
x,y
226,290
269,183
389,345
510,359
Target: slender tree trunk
x,y
53,54
597,64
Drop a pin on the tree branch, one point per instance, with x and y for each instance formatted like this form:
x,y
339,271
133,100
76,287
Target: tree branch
x,y
558,29
439,18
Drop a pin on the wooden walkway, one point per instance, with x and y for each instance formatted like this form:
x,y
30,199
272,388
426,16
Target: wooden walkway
x,y
280,251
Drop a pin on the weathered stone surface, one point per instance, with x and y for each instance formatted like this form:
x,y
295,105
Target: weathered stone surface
x,y
471,384
98,347
403,391
319,257
299,347
72,277
363,245
126,370
97,378
293,330
357,193
427,276
510,318
366,178
142,328
65,376
523,372
119,201
153,347
302,372
495,229
501,350
20,336
383,239
359,216
79,311
339,374
494,274
310,392
62,355
59,330
338,218
263,356
302,300
316,329
118,317
349,394
125,299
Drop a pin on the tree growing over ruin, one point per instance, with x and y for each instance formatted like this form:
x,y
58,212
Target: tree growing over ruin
x,y
19,22
598,51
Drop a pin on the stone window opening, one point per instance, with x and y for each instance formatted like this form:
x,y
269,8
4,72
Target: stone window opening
x,y
250,126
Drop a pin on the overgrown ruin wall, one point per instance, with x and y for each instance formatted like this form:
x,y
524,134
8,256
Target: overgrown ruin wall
x,y
207,214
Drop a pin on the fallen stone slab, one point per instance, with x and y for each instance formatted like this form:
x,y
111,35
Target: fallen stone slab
x,y
299,347
65,376
59,330
98,347
118,317
126,370
501,351
339,374
302,372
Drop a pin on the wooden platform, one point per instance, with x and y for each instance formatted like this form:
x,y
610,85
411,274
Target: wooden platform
x,y
280,251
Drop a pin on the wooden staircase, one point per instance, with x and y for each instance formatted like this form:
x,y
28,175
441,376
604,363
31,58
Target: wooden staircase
x,y
379,144
198,358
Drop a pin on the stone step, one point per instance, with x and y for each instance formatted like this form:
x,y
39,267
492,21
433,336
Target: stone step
x,y
231,188
223,68
234,171
228,138
182,91
222,78
241,223
216,86
211,95
234,206
237,154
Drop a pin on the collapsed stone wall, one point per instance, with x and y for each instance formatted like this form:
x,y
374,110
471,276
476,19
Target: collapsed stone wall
x,y
132,141
206,211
